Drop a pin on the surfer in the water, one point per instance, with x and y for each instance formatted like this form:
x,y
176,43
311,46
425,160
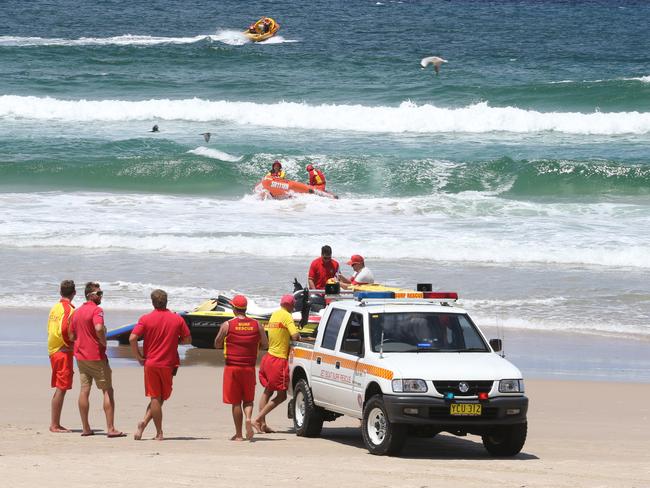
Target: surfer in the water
x,y
154,128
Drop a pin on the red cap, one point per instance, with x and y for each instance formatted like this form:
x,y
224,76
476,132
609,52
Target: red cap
x,y
355,259
239,302
287,300
277,162
309,167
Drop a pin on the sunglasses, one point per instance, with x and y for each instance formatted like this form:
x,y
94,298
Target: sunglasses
x,y
98,293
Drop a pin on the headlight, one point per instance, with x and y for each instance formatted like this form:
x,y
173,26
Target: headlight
x,y
511,386
409,386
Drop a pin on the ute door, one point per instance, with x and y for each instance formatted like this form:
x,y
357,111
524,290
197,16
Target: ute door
x,y
352,352
325,365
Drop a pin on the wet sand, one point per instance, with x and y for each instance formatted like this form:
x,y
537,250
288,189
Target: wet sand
x,y
581,434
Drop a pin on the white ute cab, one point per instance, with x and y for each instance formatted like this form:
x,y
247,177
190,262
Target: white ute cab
x,y
407,367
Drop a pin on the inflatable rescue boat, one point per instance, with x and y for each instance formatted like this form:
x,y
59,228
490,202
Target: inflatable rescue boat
x,y
263,29
279,188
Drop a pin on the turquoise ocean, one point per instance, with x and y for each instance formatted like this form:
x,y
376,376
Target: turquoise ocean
x,y
519,176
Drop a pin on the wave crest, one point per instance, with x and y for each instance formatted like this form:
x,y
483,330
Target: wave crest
x,y
407,117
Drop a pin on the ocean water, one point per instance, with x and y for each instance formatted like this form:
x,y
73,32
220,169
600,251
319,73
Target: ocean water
x,y
519,176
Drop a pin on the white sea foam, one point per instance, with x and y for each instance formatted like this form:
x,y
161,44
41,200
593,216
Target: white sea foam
x,y
278,40
407,117
577,325
125,40
227,36
214,154
477,228
644,79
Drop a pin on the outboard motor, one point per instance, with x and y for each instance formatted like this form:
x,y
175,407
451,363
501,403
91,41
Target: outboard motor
x,y
296,286
302,304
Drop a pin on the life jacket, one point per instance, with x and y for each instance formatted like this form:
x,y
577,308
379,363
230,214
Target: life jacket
x,y
242,342
316,177
280,174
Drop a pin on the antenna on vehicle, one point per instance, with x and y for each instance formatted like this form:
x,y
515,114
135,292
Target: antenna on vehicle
x,y
501,335
381,345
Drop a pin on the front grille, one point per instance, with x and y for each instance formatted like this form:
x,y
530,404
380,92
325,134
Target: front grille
x,y
442,413
475,387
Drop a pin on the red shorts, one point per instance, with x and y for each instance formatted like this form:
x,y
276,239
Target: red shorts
x,y
238,384
62,370
158,382
274,373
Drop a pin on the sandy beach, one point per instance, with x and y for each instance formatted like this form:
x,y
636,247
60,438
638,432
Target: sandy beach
x,y
581,434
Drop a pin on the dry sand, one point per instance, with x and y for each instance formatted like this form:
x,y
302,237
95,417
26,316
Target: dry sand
x,y
581,434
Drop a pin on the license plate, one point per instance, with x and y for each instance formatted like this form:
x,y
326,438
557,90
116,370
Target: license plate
x,y
467,409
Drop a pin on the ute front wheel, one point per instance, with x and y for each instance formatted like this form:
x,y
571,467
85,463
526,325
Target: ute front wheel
x,y
507,440
380,435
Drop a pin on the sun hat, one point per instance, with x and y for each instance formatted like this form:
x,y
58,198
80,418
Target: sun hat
x,y
355,259
239,302
309,167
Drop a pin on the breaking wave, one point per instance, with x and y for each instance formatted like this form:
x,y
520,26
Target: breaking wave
x,y
405,118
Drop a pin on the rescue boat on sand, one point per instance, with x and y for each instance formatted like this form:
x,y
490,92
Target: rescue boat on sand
x,y
279,188
263,29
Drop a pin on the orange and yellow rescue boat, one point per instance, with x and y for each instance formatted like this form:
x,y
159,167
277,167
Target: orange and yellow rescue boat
x,y
263,29
279,188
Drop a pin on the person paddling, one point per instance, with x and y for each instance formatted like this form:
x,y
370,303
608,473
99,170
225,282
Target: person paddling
x,y
316,177
277,171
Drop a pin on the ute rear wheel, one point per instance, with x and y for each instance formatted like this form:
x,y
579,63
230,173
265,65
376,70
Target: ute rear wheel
x,y
507,440
380,435
307,417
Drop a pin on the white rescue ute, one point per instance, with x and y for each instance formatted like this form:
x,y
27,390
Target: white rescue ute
x,y
407,366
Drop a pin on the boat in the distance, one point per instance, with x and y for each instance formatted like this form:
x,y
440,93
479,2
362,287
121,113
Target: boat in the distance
x,y
279,188
263,29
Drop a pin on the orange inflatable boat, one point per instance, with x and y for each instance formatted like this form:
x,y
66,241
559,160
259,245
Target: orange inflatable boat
x,y
280,188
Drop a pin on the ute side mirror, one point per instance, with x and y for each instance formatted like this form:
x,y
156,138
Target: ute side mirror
x,y
496,344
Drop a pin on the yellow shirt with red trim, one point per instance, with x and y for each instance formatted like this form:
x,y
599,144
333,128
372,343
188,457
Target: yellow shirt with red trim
x,y
58,325
280,329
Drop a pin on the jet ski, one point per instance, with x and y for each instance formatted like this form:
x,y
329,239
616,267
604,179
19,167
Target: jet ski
x,y
279,188
204,320
263,29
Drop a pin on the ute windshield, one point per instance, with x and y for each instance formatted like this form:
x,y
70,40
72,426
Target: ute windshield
x,y
424,332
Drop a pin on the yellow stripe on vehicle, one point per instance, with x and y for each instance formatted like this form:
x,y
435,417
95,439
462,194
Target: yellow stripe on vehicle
x,y
344,363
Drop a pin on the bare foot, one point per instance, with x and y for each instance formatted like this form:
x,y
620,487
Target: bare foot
x,y
139,431
268,430
258,426
159,437
249,430
59,429
115,433
237,438
87,433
